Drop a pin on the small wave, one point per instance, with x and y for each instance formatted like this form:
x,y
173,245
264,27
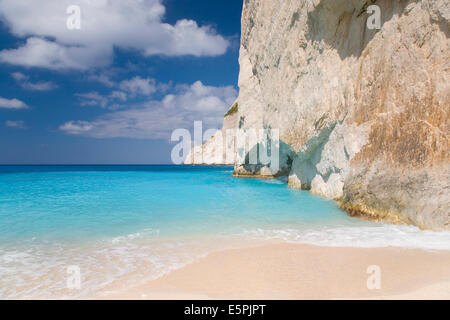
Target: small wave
x,y
362,237
280,180
39,271
132,236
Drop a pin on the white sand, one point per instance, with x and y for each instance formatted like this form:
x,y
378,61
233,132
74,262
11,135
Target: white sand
x,y
290,271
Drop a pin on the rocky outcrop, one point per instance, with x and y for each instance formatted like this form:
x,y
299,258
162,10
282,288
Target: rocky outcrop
x,y
363,114
220,149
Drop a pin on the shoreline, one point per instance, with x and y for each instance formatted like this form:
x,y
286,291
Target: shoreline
x,y
297,271
353,211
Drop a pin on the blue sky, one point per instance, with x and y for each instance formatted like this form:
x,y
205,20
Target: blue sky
x,y
113,91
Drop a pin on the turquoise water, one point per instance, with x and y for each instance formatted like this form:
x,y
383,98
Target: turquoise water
x,y
81,203
126,224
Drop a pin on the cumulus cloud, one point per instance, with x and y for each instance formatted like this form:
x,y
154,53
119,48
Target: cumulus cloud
x,y
138,85
43,53
156,119
105,24
19,124
23,81
199,97
12,104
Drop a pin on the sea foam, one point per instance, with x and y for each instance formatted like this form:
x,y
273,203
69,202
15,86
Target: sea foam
x,y
361,237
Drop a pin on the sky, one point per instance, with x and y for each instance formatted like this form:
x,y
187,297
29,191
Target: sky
x,y
110,87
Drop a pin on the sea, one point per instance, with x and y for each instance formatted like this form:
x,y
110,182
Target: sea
x,y
70,232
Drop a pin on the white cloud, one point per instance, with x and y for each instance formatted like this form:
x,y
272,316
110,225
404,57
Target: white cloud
x,y
103,79
12,104
37,52
92,99
76,127
132,87
157,119
18,76
186,37
39,86
105,24
19,124
199,97
22,79
118,95
138,85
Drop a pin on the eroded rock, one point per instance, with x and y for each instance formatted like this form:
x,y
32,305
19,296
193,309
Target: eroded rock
x,y
363,114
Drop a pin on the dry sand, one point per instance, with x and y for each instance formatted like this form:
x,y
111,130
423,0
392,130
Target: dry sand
x,y
292,271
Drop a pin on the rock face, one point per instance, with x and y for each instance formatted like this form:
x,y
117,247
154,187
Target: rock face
x,y
363,114
220,149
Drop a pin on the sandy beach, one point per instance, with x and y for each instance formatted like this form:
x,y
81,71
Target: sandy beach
x,y
293,271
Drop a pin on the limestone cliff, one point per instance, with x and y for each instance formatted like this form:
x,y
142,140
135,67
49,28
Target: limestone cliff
x,y
363,114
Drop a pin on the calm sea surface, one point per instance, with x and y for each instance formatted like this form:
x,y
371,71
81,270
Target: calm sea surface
x,y
123,225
